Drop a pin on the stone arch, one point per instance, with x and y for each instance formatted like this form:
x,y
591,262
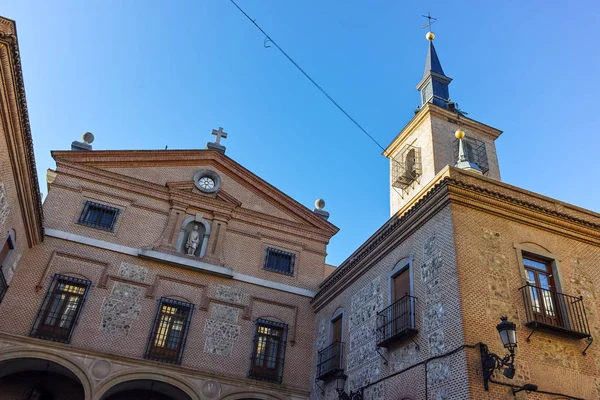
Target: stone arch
x,y
337,311
186,227
534,246
252,395
146,375
72,366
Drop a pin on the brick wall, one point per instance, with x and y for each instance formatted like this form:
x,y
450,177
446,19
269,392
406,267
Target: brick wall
x,y
437,318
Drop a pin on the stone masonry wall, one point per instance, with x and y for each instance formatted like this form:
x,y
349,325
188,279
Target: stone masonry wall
x,y
438,320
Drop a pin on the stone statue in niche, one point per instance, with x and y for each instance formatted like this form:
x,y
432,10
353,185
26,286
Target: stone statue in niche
x,y
193,241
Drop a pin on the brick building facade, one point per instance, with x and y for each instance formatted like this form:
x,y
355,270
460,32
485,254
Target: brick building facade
x,y
180,275
409,314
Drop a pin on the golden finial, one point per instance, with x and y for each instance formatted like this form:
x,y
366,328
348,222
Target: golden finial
x,y
459,133
429,36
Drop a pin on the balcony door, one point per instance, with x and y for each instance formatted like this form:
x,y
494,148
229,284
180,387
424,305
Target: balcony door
x,y
542,291
400,313
336,337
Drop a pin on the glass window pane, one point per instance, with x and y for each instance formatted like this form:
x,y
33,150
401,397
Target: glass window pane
x,y
535,264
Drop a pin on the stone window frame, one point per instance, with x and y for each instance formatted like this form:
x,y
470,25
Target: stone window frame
x,y
401,266
337,314
551,258
210,174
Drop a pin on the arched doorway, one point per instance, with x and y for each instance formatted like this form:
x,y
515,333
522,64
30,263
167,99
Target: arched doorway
x,y
144,389
37,379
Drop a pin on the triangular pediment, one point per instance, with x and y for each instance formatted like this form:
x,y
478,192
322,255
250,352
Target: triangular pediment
x,y
189,187
173,170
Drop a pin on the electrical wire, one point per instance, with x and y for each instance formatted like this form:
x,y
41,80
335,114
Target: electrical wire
x,y
335,103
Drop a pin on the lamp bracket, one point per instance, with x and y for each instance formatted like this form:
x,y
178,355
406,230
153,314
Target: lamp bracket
x,y
491,362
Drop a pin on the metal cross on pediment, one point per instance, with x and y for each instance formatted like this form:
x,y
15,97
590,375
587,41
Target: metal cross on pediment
x,y
219,134
431,21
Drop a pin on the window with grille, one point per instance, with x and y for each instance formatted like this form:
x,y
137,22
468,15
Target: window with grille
x,y
169,332
268,354
61,308
4,252
279,261
99,216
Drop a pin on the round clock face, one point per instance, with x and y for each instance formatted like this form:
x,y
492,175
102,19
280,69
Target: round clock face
x,y
206,182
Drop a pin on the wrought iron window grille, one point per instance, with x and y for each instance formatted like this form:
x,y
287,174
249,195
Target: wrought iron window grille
x,y
268,354
279,261
330,361
553,311
169,331
475,152
99,216
59,313
3,284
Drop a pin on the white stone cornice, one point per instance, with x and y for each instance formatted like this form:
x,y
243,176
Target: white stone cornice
x,y
179,261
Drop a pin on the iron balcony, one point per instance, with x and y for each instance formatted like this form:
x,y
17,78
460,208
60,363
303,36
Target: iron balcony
x,y
549,310
330,361
396,321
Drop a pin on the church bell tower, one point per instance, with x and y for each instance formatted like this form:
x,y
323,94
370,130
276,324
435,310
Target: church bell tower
x,y
438,135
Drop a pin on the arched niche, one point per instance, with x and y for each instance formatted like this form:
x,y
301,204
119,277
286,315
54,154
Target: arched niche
x,y
188,226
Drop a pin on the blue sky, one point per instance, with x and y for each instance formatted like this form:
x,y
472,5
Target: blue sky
x,y
145,74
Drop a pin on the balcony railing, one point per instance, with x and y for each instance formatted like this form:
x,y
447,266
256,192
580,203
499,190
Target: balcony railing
x,y
330,360
546,309
396,322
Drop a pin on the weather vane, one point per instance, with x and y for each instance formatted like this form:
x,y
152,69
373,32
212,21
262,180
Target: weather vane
x,y
431,21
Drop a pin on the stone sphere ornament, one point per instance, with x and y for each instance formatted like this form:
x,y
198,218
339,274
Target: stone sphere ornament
x,y
429,36
459,134
88,137
320,204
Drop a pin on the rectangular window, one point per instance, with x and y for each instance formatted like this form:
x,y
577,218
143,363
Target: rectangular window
x,y
279,261
169,332
99,216
4,252
61,308
268,355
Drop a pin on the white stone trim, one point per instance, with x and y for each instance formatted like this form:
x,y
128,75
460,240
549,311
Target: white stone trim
x,y
186,262
273,285
71,237
179,261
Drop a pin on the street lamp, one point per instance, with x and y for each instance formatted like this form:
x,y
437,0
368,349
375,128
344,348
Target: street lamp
x,y
340,383
491,362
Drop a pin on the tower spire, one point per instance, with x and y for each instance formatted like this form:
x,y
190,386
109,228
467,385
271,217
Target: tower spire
x,y
434,84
